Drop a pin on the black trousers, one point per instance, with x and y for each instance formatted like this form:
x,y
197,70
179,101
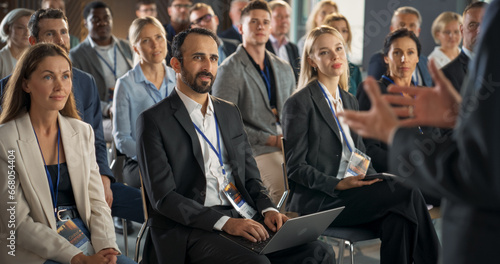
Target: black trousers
x,y
398,213
131,173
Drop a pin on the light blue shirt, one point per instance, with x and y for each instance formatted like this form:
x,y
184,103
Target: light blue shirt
x,y
134,94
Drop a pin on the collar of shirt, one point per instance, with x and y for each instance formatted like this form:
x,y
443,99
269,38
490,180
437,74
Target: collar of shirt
x,y
275,42
102,48
468,52
191,105
163,91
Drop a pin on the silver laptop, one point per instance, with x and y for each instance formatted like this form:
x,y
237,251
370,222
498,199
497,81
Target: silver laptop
x,y
294,232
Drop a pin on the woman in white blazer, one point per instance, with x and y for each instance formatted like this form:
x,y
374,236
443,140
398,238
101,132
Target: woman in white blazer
x,y
42,144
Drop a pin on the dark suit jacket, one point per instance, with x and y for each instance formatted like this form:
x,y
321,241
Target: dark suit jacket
x,y
377,68
231,33
89,109
171,162
465,167
293,56
456,70
313,149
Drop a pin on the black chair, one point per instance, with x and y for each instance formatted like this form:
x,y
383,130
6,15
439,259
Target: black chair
x,y
349,235
144,226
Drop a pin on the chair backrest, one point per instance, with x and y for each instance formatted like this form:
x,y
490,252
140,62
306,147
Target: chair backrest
x,y
144,199
285,177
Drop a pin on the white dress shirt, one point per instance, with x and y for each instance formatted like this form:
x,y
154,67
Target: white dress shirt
x,y
339,108
280,51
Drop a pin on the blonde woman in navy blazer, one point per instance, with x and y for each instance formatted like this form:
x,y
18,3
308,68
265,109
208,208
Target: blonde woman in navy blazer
x,y
316,159
40,127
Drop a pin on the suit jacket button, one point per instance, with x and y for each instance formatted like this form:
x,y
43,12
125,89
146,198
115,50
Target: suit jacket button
x,y
202,193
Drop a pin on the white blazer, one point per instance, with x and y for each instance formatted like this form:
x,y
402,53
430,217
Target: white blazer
x,y
36,238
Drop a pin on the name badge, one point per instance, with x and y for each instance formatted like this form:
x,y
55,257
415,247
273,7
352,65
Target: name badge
x,y
75,236
358,164
236,199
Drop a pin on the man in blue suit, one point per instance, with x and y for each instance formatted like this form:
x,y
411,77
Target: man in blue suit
x,y
409,18
50,25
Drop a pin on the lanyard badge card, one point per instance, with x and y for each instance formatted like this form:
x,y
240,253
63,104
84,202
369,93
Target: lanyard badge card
x,y
358,163
236,199
75,236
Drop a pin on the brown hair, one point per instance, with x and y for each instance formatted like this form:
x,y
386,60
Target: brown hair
x,y
254,5
338,17
16,101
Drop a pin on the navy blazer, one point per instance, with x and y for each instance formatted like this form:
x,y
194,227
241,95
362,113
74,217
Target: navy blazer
x,y
89,109
231,33
313,149
456,70
377,68
293,56
171,162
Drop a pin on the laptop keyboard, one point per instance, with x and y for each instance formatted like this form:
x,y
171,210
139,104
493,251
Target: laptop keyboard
x,y
254,246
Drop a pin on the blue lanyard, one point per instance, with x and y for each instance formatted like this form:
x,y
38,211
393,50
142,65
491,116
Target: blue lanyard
x,y
52,191
113,70
390,80
218,153
334,115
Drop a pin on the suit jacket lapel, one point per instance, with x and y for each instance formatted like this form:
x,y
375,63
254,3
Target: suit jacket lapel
x,y
75,161
182,116
464,60
252,72
319,100
35,169
93,58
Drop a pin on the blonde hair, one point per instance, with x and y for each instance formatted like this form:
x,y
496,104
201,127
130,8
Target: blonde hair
x,y
139,23
307,74
10,19
338,17
311,21
16,101
441,21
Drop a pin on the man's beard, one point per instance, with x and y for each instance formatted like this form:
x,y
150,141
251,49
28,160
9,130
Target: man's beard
x,y
187,78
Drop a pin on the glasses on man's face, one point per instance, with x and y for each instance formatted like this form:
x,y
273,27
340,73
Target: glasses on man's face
x,y
206,18
179,6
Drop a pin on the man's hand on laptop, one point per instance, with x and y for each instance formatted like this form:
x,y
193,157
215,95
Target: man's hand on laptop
x,y
246,228
274,220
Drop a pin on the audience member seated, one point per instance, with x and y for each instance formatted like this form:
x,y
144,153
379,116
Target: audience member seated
x,y
318,145
57,184
259,83
147,84
190,147
316,18
61,5
13,31
401,53
103,56
50,25
202,16
278,42
409,18
446,33
144,8
456,70
340,23
234,14
463,168
178,11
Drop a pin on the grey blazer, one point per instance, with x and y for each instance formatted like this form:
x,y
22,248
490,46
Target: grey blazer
x,y
84,58
239,82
